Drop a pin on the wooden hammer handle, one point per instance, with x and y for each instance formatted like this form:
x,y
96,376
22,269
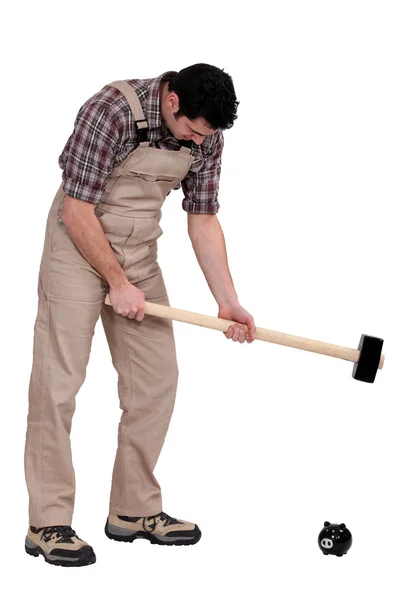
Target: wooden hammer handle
x,y
266,335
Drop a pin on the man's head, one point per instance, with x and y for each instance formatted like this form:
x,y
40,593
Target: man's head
x,y
198,101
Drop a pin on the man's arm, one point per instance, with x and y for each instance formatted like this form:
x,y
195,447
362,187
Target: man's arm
x,y
208,243
86,232
87,160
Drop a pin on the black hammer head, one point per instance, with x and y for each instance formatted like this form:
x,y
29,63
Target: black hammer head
x,y
370,355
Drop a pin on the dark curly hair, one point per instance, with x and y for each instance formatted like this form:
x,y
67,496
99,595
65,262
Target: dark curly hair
x,y
207,92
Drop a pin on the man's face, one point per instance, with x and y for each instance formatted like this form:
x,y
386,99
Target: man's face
x,y
195,130
182,127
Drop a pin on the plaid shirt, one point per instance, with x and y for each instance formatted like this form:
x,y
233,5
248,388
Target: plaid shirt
x,y
105,133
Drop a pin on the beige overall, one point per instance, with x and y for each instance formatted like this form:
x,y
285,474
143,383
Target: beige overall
x,y
71,298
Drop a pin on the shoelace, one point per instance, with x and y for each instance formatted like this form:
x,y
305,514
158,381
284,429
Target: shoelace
x,y
166,519
64,533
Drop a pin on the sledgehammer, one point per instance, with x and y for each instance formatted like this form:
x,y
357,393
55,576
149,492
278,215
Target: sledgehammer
x,y
367,359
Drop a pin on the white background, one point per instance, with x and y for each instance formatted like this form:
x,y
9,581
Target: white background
x,y
266,442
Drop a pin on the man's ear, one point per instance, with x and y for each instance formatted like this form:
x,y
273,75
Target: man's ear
x,y
173,101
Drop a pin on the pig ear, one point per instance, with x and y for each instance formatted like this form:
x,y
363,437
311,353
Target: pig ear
x,y
326,524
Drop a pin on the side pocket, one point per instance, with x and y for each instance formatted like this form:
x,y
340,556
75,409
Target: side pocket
x,y
99,212
58,235
41,329
40,288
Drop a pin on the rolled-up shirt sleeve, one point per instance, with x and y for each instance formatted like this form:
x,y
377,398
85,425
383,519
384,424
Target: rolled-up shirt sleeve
x,y
89,155
201,188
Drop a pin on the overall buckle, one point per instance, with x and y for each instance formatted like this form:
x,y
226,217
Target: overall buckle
x,y
142,129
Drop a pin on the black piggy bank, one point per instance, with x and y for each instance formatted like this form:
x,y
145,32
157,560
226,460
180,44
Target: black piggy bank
x,y
335,539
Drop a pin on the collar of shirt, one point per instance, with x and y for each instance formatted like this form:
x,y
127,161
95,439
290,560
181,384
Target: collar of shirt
x,y
154,118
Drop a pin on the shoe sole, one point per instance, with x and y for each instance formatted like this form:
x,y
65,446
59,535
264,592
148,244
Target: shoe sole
x,y
125,535
86,558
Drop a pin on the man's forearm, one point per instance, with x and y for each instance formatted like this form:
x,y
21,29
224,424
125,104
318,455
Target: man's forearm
x,y
86,232
209,246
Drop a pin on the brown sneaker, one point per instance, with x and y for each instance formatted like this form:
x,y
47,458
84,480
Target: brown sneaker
x,y
59,545
159,529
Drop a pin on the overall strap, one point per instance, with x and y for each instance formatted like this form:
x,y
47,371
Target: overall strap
x,y
186,150
136,108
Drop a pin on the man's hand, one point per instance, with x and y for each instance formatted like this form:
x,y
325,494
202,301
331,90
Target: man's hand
x,y
244,330
128,301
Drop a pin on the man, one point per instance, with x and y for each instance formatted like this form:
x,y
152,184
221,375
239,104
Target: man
x,y
133,142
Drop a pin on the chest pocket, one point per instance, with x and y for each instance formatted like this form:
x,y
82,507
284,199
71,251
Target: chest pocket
x,y
154,185
154,178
